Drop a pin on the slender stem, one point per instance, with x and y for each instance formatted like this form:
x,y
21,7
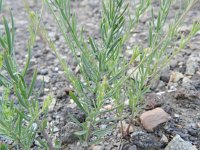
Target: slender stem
x,y
46,137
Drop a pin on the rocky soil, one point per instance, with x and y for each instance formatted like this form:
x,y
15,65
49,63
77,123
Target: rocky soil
x,y
176,95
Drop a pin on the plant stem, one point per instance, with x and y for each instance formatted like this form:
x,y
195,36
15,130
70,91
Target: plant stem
x,y
49,141
46,137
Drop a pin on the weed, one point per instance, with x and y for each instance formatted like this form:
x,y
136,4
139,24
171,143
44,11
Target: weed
x,y
21,117
106,75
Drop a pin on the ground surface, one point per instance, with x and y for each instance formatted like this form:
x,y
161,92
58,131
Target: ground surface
x,y
183,104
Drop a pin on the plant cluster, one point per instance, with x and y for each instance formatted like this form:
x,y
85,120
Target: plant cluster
x,y
104,69
21,115
106,74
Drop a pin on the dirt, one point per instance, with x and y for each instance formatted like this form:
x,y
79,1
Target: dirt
x,y
180,99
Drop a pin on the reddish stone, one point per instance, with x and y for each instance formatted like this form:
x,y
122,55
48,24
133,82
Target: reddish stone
x,y
152,118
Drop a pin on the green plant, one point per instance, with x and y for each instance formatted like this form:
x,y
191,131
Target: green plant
x,y
21,117
104,70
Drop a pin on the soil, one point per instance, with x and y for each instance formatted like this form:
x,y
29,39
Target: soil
x,y
181,99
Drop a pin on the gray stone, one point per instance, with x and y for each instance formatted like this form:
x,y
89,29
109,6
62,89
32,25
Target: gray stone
x,y
165,74
132,147
192,63
177,143
155,84
164,139
145,141
43,72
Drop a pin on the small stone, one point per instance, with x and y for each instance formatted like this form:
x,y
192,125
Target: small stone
x,y
55,129
54,88
98,147
176,115
198,72
161,86
45,78
164,139
52,105
192,63
165,75
43,72
155,84
132,147
56,69
152,118
187,83
46,90
198,125
177,143
176,76
34,126
108,107
145,141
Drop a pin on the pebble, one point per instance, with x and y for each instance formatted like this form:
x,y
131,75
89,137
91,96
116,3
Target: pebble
x,y
176,76
152,118
108,107
176,115
54,88
161,86
43,72
45,78
198,125
56,69
188,84
52,105
154,85
177,143
55,129
132,147
164,139
98,147
145,141
46,90
192,63
165,74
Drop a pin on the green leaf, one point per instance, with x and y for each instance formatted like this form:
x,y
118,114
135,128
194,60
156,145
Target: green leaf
x,y
2,42
77,102
103,132
94,47
1,2
44,124
13,30
1,61
9,67
3,147
32,83
46,103
81,133
9,40
20,99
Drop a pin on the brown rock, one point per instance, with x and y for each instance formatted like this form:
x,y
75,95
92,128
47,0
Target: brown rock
x,y
152,118
176,76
